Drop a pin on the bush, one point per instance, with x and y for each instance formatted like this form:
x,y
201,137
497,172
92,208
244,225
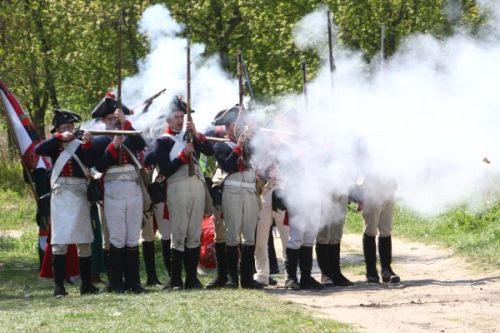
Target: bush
x,y
11,177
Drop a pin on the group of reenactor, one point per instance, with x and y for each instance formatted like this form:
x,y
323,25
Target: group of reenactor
x,y
245,203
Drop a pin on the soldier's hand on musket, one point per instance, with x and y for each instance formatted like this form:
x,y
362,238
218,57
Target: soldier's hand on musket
x,y
120,116
117,140
188,149
87,136
67,136
191,127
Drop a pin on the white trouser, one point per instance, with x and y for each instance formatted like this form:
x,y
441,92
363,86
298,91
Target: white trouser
x,y
219,226
378,217
266,217
163,223
84,250
240,210
123,208
333,220
186,205
104,224
148,231
302,232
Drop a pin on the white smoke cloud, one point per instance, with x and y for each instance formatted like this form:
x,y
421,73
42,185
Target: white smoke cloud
x,y
424,124
165,67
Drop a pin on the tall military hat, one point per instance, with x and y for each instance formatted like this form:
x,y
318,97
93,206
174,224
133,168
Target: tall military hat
x,y
63,117
226,117
107,106
177,104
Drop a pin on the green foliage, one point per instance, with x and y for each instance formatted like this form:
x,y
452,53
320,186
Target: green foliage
x,y
63,53
16,199
11,177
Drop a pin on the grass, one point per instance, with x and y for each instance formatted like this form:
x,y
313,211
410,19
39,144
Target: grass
x,y
474,235
27,305
17,205
17,211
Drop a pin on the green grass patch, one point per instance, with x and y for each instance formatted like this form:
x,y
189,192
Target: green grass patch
x,y
27,305
18,210
11,177
17,205
472,234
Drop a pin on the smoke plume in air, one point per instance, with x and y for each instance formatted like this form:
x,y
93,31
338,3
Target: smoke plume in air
x,y
419,126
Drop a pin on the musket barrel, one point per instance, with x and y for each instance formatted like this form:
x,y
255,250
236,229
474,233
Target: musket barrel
x,y
111,132
304,79
239,74
215,139
188,103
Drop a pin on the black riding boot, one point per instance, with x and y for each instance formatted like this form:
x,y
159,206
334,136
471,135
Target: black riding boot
x,y
232,266
167,255
305,264
370,253
323,255
132,278
338,278
175,282
59,269
247,266
116,269
85,265
148,254
271,252
191,259
291,263
385,253
221,278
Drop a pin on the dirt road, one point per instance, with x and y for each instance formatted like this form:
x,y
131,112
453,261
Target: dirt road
x,y
439,293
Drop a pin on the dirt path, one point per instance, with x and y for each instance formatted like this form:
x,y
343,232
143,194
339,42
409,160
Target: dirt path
x,y
439,293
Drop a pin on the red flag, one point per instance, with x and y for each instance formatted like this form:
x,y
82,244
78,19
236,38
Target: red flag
x,y
23,129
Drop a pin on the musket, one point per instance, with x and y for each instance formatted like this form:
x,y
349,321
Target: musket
x,y
382,46
304,79
330,46
148,101
119,60
216,139
119,74
239,74
272,130
247,79
79,132
188,105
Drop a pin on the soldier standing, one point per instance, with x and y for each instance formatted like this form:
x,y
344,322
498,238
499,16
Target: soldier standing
x,y
70,209
185,193
123,197
377,207
266,217
239,202
328,242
